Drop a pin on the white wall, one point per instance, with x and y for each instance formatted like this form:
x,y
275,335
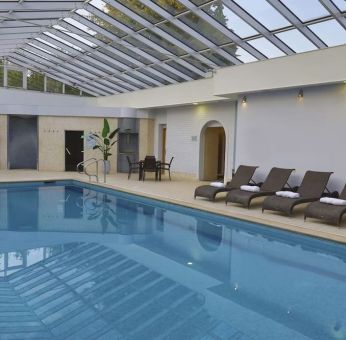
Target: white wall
x,y
23,102
185,122
278,129
324,66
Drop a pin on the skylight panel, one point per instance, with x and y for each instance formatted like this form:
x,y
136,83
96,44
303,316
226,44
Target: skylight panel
x,y
265,13
115,14
82,27
144,11
266,47
36,54
40,48
48,43
296,41
330,31
228,19
99,4
180,34
244,56
75,36
307,9
205,29
64,41
173,7
341,4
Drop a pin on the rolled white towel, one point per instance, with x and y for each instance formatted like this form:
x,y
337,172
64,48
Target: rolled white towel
x,y
252,188
217,184
288,194
333,201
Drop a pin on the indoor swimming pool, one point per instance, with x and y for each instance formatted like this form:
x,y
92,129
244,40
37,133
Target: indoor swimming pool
x,y
78,261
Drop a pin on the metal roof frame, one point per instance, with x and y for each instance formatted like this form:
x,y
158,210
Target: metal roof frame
x,y
34,34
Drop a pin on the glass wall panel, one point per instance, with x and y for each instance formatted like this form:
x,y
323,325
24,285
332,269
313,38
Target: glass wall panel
x,y
14,78
35,81
1,73
306,10
265,13
72,90
54,86
86,94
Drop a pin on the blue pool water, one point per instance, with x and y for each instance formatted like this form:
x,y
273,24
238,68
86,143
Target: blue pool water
x,y
79,262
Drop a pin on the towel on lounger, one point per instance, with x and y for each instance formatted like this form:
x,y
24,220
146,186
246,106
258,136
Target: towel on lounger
x,y
217,184
333,201
252,188
288,194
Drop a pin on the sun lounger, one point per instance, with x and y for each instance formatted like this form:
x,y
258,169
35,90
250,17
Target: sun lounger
x,y
311,189
275,181
242,176
327,212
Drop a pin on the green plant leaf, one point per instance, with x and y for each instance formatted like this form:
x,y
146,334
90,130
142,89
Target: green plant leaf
x,y
106,129
106,141
111,136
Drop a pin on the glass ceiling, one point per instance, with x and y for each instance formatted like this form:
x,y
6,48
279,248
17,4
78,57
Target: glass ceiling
x,y
115,46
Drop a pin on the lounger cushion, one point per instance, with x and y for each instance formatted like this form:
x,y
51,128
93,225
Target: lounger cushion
x,y
252,188
217,184
333,201
289,194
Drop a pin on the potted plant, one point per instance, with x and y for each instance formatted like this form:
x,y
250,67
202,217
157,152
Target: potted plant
x,y
105,142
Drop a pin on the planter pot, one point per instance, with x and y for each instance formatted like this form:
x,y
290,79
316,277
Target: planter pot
x,y
107,166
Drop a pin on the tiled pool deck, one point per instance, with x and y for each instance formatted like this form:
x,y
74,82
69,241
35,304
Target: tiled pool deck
x,y
180,190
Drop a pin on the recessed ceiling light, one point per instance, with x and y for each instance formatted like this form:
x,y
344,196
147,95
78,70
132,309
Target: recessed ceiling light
x,y
189,263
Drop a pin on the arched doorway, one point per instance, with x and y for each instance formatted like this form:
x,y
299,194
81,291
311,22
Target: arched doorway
x,y
212,151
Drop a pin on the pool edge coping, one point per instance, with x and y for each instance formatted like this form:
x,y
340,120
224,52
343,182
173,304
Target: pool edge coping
x,y
274,224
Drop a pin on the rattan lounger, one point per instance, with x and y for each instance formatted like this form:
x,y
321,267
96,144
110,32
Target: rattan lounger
x,y
311,189
327,212
242,176
275,181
